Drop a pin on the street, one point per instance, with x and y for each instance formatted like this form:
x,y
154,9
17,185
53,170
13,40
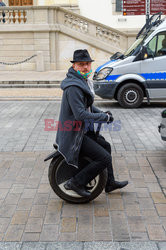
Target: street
x,y
22,126
33,217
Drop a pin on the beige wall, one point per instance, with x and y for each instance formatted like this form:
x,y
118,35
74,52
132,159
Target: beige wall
x,y
54,2
53,33
56,49
67,45
17,46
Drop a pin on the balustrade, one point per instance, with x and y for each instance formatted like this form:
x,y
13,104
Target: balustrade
x,y
13,16
53,15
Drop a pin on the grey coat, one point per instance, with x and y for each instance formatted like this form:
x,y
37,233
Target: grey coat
x,y
76,99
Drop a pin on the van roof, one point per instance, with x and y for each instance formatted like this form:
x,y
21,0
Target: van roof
x,y
162,25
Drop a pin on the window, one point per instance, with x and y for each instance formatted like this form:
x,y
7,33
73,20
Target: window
x,y
151,47
119,4
161,44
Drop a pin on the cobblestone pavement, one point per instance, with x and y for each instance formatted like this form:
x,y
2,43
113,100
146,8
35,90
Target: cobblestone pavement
x,y
31,212
22,126
33,217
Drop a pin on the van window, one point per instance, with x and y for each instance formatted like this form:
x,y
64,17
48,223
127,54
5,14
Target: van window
x,y
151,47
161,44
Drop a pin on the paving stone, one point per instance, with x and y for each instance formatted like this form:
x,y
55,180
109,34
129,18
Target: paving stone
x,y
161,209
68,225
146,203
139,236
103,236
38,211
101,224
156,233
54,205
133,210
7,210
34,225
30,237
1,236
52,217
150,216
142,192
24,204
32,183
3,193
14,233
12,199
85,226
41,199
69,211
158,197
116,204
136,224
28,193
119,233
20,217
49,233
17,189
44,188
67,237
4,222
153,187
101,211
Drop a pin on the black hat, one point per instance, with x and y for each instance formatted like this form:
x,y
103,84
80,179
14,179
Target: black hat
x,y
81,55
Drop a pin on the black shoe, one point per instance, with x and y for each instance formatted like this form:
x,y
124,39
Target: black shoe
x,y
70,185
115,185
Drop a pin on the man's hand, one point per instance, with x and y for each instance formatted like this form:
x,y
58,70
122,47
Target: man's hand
x,y
110,117
108,112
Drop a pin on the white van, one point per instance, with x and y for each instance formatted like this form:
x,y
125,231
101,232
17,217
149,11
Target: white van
x,y
139,73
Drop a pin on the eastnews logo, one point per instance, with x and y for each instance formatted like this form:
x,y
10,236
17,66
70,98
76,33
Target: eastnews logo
x,y
89,125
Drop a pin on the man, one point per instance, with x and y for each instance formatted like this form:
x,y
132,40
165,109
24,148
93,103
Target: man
x,y
162,51
76,110
3,13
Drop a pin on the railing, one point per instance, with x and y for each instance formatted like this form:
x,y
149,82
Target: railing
x,y
13,16
53,16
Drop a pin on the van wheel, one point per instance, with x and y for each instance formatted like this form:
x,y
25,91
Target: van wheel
x,y
130,95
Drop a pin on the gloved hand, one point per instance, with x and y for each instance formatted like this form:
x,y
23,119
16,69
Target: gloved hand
x,y
108,112
111,119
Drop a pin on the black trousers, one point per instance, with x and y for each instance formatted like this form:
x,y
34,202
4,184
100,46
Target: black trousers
x,y
99,150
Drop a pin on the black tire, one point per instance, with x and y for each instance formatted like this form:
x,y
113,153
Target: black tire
x,y
57,180
130,95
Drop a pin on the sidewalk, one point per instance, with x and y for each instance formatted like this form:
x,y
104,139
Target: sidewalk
x,y
31,76
30,85
31,212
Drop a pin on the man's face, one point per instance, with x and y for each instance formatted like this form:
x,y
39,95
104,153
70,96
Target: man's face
x,y
84,67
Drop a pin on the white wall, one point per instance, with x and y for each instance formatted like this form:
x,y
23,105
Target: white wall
x,y
102,11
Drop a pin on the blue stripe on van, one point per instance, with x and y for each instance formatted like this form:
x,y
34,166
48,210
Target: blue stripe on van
x,y
147,76
154,76
112,77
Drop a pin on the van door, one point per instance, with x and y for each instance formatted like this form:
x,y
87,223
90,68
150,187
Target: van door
x,y
153,69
